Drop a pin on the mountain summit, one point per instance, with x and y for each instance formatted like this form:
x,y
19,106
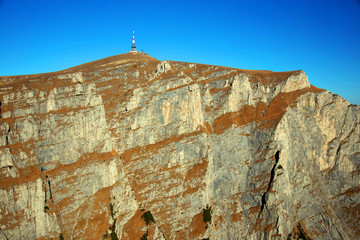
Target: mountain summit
x,y
130,147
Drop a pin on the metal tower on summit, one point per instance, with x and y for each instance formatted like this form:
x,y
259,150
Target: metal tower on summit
x,y
133,48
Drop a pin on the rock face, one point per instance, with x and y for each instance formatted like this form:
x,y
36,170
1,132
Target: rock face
x,y
129,147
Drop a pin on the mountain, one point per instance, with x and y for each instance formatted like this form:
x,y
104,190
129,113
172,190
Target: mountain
x,y
130,147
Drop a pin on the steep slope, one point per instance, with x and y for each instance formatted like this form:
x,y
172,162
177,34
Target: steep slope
x,y
130,147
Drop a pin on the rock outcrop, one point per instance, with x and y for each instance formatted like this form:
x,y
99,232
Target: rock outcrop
x,y
129,147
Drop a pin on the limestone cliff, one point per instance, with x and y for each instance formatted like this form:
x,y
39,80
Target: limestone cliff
x,y
129,147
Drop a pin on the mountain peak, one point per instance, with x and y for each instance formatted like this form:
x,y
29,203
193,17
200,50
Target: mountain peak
x,y
113,60
131,147
86,67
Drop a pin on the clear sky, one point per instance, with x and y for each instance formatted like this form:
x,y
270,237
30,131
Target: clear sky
x,y
321,37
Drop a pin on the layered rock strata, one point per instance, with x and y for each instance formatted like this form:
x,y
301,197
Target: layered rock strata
x,y
129,147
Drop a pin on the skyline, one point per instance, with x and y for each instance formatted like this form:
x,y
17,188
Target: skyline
x,y
321,38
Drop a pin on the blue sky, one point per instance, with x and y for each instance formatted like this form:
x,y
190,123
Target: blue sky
x,y
321,37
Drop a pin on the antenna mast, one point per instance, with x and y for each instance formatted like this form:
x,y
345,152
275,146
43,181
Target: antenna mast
x,y
133,48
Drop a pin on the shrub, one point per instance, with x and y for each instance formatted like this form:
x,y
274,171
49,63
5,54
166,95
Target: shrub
x,y
148,217
145,236
46,208
207,214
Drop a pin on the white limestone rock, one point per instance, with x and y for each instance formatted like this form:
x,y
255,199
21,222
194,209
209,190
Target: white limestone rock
x,y
86,153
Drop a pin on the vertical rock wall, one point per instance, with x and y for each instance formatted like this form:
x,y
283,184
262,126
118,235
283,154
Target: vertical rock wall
x,y
130,147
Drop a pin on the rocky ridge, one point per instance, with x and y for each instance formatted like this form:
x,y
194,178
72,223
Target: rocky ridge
x,y
131,147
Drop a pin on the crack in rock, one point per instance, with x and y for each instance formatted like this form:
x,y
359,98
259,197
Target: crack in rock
x,y
272,176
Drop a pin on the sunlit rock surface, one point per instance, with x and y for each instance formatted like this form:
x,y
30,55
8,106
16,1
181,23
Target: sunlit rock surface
x,y
130,147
